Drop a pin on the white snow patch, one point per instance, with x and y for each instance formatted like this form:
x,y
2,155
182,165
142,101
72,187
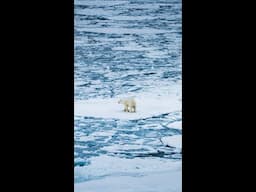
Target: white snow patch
x,y
152,102
109,108
109,165
84,138
128,175
80,146
156,54
175,125
103,133
156,182
172,141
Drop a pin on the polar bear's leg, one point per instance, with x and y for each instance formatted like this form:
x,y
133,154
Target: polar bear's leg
x,y
134,108
126,108
131,109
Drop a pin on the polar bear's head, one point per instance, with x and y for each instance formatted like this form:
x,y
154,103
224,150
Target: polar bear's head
x,y
120,101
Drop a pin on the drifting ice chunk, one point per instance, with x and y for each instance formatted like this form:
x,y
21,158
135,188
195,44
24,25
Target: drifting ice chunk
x,y
172,141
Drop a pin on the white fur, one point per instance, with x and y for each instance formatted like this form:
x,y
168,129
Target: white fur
x,y
129,104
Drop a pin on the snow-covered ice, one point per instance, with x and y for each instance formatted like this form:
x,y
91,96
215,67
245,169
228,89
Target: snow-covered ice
x,y
167,181
109,108
172,141
175,125
104,165
164,176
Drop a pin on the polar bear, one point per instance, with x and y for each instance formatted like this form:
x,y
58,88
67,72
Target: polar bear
x,y
129,104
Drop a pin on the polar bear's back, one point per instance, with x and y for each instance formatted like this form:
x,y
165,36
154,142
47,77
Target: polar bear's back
x,y
129,100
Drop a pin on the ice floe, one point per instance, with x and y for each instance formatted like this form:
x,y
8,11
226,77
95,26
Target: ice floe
x,y
175,125
107,174
109,108
167,181
172,141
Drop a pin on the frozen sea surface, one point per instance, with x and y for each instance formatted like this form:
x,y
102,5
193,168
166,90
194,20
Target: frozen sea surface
x,y
128,48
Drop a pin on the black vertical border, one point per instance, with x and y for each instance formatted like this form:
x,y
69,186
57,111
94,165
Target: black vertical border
x,y
204,103
41,60
193,161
